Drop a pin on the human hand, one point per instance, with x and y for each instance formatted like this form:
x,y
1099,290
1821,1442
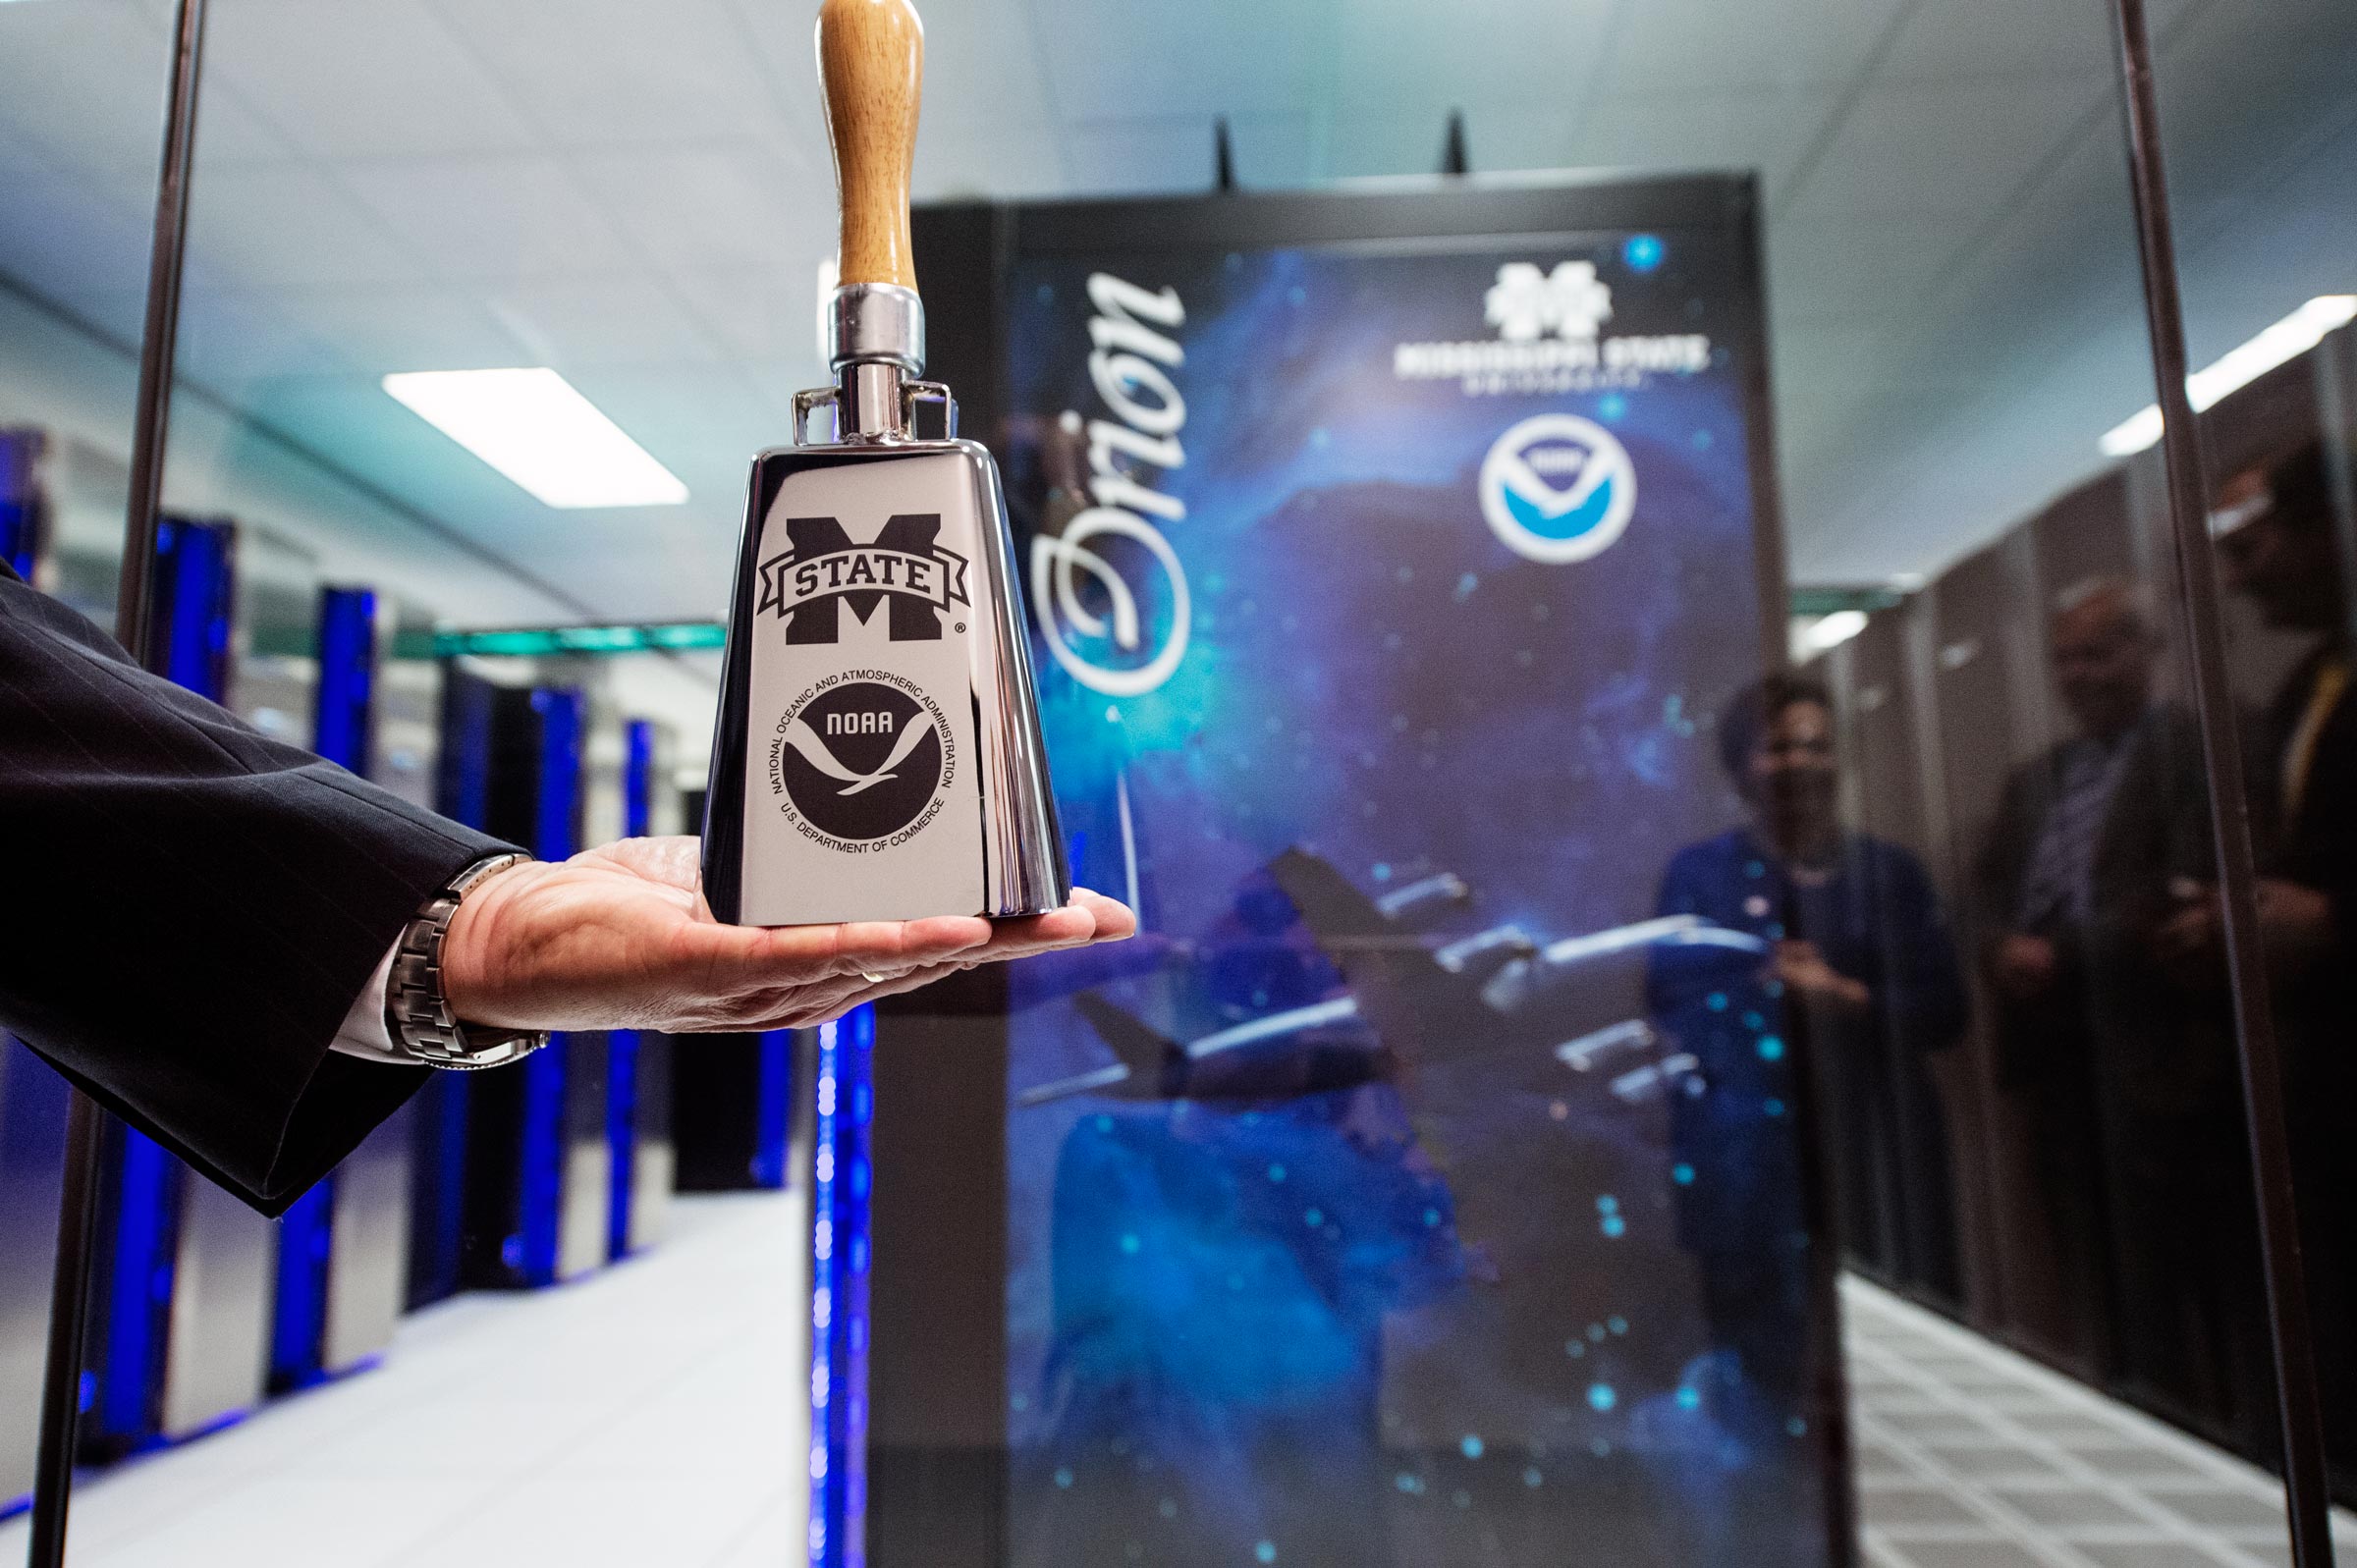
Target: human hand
x,y
2295,927
2295,922
2193,932
2023,967
1801,966
621,937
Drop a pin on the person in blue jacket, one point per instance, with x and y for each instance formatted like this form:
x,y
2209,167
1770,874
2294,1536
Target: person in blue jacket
x,y
1857,976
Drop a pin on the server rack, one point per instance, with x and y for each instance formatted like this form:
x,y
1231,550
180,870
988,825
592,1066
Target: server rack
x,y
23,504
639,1062
343,1246
538,1164
438,1115
32,1097
182,1323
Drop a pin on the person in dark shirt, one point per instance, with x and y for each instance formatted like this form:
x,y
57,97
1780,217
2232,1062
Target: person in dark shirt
x,y
2280,546
2115,1054
1861,975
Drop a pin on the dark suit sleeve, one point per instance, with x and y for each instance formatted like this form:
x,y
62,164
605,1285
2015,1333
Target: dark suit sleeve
x,y
192,908
1994,886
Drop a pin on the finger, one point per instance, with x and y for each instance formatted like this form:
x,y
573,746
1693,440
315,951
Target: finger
x,y
1035,934
1116,921
830,999
875,946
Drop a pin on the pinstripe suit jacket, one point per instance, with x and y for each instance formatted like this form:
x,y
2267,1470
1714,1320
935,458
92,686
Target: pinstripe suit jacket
x,y
188,909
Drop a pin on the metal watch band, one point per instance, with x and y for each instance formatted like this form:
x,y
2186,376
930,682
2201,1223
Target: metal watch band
x,y
416,1013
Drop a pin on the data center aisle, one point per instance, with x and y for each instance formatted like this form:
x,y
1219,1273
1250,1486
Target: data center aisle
x,y
654,1413
1970,1456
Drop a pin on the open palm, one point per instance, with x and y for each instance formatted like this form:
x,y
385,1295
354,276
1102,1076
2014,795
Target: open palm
x,y
621,937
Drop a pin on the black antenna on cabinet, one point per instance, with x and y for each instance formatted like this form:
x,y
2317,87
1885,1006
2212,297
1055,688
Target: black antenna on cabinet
x,y
1223,156
1453,150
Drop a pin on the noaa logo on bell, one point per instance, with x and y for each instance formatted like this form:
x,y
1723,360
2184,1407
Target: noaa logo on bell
x,y
1557,488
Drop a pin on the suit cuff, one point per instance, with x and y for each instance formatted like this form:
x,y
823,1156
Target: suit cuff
x,y
364,1033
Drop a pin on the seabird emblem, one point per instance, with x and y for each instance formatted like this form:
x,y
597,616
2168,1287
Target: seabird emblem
x,y
1557,488
806,740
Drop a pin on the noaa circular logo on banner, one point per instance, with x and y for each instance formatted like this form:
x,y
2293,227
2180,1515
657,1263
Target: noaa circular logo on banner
x,y
1557,488
862,760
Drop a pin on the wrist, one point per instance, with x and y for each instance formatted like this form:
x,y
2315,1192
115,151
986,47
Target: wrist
x,y
467,972
421,1015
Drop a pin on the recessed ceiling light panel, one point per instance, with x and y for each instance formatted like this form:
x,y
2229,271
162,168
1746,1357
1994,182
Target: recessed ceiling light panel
x,y
2205,388
533,428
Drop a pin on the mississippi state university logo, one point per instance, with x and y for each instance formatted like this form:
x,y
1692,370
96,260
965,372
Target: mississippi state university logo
x,y
861,758
1525,303
823,574
1557,488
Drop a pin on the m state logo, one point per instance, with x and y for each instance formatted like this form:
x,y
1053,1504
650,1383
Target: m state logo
x,y
1557,488
810,583
1525,303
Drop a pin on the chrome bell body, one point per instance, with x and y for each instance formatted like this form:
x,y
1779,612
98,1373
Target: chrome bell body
x,y
878,752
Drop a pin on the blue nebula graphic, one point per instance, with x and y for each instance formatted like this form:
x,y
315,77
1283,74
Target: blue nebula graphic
x,y
1360,1315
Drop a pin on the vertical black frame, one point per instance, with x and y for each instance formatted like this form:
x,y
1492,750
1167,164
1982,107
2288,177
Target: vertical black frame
x,y
77,1203
967,250
2289,1325
2291,1332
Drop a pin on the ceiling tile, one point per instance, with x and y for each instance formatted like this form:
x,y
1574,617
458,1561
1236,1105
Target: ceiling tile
x,y
375,331
983,67
605,71
765,313
1422,60
79,243
1950,147
602,321
1136,157
517,216
1271,57
1700,45
228,341
1763,129
2007,37
1848,268
285,223
700,207
1009,160
353,77
86,80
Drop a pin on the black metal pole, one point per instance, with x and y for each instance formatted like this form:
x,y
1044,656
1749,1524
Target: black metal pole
x,y
2290,1328
78,1201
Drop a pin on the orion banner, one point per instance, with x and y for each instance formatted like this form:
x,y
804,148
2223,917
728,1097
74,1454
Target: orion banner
x,y
1430,1189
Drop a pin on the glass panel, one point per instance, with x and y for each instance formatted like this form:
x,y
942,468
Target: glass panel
x,y
80,101
2267,299
1643,704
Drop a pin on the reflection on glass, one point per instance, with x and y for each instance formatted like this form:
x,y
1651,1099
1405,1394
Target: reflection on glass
x,y
2283,547
1859,972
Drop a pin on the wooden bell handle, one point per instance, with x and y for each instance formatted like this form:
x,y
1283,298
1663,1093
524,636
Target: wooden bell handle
x,y
871,68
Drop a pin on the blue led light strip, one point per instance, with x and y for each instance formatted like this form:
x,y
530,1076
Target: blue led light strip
x,y
194,595
341,730
556,819
839,1190
637,778
773,1105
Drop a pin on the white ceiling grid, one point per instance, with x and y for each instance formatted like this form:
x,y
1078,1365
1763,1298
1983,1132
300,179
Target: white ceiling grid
x,y
636,192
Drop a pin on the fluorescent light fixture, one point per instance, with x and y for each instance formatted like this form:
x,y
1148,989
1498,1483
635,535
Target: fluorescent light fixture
x,y
533,426
2288,339
1826,632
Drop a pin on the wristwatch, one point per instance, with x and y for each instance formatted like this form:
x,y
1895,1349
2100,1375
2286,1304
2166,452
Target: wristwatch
x,y
416,1013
